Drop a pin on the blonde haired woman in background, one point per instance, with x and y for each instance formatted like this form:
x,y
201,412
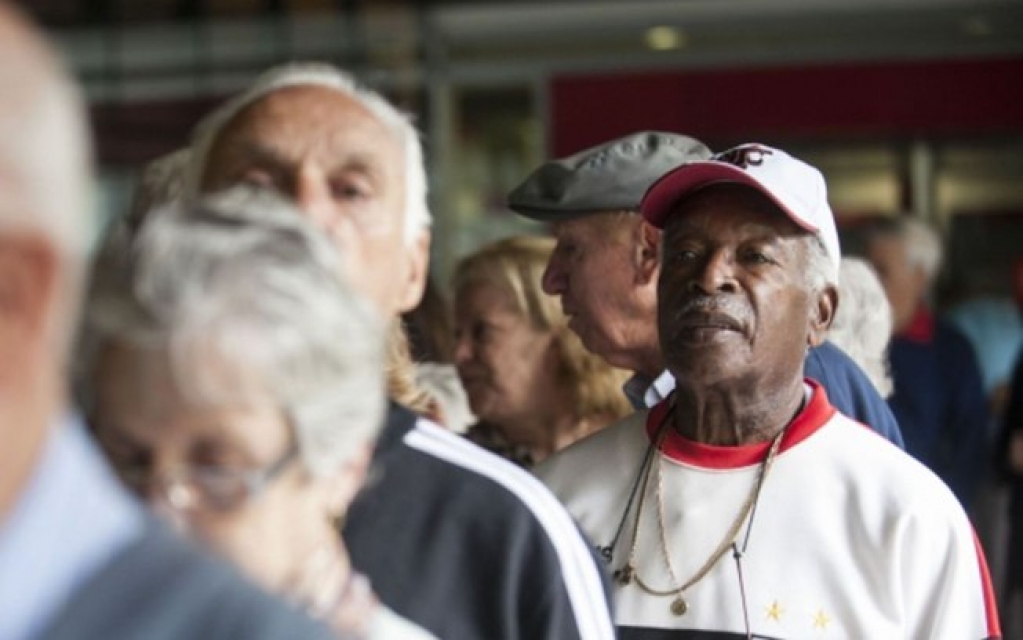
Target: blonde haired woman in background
x,y
532,385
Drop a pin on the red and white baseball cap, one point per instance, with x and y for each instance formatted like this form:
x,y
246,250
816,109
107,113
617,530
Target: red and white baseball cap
x,y
797,188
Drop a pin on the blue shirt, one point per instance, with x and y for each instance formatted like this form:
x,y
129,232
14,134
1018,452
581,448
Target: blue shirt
x,y
940,402
848,389
71,518
994,329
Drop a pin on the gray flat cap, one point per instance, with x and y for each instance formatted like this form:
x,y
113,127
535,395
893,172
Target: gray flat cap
x,y
608,177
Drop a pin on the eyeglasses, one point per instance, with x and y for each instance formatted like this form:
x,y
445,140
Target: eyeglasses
x,y
205,487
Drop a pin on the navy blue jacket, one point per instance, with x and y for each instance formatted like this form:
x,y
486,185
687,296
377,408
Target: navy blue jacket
x,y
850,390
468,545
1013,425
940,403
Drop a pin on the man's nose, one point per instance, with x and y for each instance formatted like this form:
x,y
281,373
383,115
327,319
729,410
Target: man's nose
x,y
716,275
462,351
553,280
312,195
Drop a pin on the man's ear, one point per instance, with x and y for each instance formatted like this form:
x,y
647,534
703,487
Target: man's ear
x,y
416,268
647,253
822,314
29,268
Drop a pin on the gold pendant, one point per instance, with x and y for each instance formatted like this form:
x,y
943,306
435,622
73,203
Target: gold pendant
x,y
679,606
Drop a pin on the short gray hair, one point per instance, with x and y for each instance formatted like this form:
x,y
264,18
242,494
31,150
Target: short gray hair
x,y
417,212
237,287
863,322
923,246
922,243
161,182
820,268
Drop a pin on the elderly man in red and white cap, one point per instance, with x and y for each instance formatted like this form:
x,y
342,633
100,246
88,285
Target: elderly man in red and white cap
x,y
744,504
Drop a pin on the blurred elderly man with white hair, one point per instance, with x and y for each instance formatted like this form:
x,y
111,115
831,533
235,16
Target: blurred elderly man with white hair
x,y
459,541
79,559
938,395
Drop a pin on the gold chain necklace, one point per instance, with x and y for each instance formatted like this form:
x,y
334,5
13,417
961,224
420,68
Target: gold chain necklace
x,y
628,573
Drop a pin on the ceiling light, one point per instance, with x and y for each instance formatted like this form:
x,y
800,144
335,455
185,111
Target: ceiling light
x,y
977,26
665,38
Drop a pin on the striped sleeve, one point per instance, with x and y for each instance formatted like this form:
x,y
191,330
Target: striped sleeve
x,y
579,572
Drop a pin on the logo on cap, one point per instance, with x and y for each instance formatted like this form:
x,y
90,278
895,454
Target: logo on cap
x,y
745,156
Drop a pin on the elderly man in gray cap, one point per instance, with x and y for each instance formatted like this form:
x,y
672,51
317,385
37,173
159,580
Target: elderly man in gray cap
x,y
744,505
606,265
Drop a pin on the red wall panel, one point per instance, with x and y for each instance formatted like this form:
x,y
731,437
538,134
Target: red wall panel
x,y
893,99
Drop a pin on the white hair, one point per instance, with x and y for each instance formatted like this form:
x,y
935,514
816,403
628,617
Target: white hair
x,y
863,322
45,152
247,301
162,181
923,246
417,212
920,240
820,268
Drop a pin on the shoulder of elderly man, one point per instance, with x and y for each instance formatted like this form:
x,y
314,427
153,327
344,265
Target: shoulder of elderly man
x,y
95,566
451,536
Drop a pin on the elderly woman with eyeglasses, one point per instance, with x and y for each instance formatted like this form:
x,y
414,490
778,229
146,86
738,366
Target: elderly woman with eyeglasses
x,y
237,385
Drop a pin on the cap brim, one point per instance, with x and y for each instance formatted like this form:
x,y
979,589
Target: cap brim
x,y
663,196
547,214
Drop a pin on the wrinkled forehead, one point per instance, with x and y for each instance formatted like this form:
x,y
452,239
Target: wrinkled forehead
x,y
302,120
595,225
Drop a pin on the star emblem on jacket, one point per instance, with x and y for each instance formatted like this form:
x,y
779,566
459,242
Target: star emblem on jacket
x,y
821,620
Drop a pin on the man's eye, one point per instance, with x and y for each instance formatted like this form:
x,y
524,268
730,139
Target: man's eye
x,y
345,190
757,257
686,255
565,249
481,332
258,178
